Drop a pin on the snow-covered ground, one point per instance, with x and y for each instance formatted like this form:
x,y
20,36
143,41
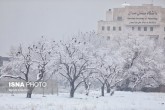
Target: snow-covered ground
x,y
119,101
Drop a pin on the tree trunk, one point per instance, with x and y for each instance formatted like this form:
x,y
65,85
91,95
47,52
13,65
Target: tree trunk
x,y
29,92
43,92
87,88
29,95
72,90
108,88
102,90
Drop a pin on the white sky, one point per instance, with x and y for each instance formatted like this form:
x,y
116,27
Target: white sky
x,y
24,21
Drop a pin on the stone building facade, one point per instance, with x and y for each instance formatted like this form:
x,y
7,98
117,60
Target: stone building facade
x,y
145,20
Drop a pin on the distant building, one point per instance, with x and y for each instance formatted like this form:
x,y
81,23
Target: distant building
x,y
145,20
2,59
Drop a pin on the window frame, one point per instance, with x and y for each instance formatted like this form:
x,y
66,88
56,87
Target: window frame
x,y
114,28
120,28
145,28
119,18
108,28
151,29
133,28
139,28
108,37
103,28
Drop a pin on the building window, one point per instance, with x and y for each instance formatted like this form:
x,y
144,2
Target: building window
x,y
114,28
108,37
133,28
119,28
108,28
145,28
151,28
103,28
119,18
139,28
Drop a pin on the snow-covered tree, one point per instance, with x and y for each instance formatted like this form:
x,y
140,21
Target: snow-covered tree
x,y
142,61
29,64
44,59
108,71
74,62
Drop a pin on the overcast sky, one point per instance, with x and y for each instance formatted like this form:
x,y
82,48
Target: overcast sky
x,y
24,21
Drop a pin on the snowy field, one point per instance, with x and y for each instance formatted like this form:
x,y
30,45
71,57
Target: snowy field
x,y
119,101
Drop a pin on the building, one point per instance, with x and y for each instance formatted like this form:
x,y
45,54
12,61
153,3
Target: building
x,y
145,20
3,59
